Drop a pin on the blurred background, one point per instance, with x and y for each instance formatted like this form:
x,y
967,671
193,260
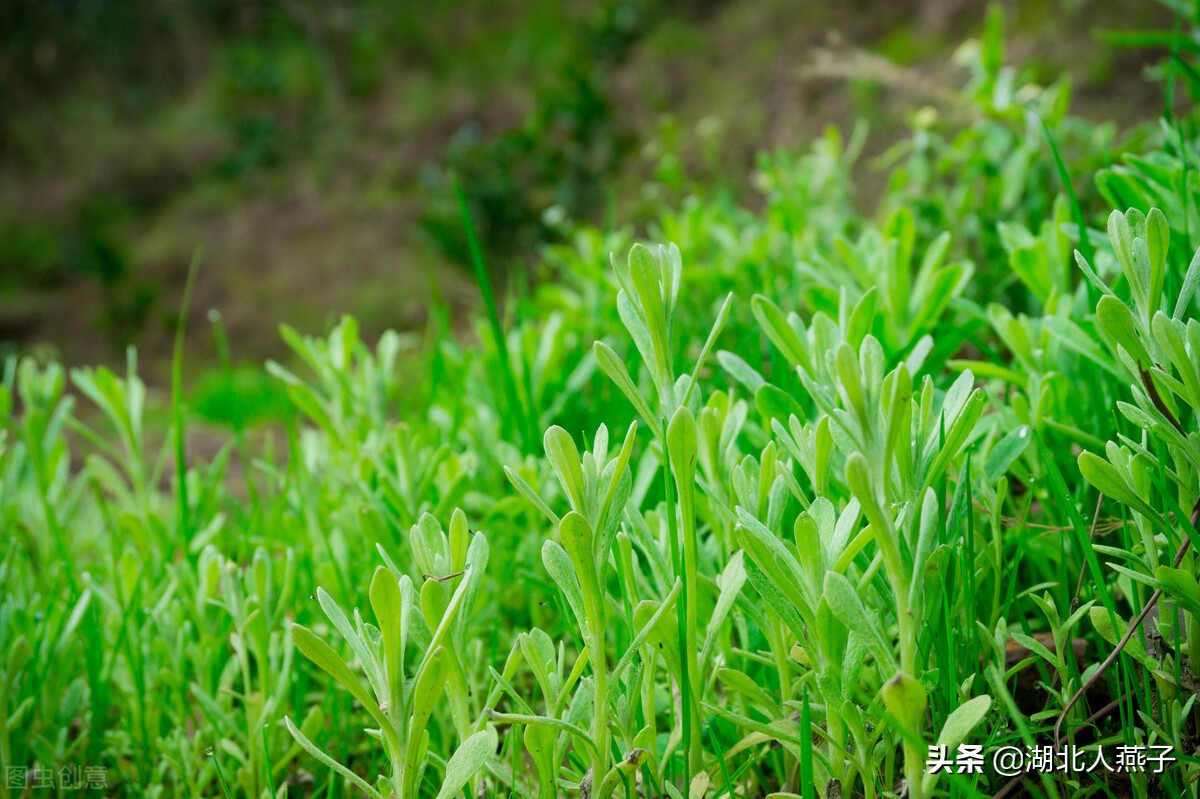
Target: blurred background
x,y
304,149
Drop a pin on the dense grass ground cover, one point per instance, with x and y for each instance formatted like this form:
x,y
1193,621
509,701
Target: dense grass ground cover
x,y
770,509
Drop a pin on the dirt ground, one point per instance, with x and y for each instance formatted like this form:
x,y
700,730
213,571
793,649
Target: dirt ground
x,y
310,240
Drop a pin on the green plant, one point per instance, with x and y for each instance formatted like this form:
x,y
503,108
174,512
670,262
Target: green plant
x,y
402,705
888,481
1151,334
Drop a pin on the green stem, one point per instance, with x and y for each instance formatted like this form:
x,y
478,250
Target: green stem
x,y
837,734
691,579
678,559
599,702
682,439
396,756
914,752
868,785
517,415
178,415
887,539
251,721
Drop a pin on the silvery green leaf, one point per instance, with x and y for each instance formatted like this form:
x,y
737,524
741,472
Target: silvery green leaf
x,y
1158,239
564,459
729,585
427,687
647,617
774,562
1117,323
741,371
578,541
1103,623
332,664
1191,282
635,324
845,603
611,364
539,741
1101,474
329,762
527,491
342,624
714,332
741,683
387,605
467,760
647,277
775,324
538,653
558,564
1006,452
1181,586
906,702
957,727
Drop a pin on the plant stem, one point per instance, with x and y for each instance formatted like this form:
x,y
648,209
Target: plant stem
x,y
599,663
517,414
914,752
691,580
887,539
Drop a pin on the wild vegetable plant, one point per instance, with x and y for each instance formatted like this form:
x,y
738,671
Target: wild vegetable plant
x,y
646,302
255,601
580,562
399,703
893,442
855,483
1151,333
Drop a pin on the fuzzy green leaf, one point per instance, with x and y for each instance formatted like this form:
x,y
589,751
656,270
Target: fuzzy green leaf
x,y
558,564
905,700
467,760
387,605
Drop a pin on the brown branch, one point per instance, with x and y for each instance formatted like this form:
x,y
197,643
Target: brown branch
x,y
442,579
1012,784
1133,627
1156,398
1161,406
1125,639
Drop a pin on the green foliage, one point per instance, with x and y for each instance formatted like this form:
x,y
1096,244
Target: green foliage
x,y
558,158
812,495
